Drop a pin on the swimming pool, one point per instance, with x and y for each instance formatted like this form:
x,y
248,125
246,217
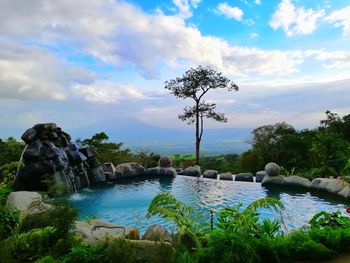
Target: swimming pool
x,y
125,202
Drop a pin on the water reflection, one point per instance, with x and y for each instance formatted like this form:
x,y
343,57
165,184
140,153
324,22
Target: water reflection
x,y
165,183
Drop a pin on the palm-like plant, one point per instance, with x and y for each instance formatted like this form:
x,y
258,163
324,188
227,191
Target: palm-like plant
x,y
233,219
190,227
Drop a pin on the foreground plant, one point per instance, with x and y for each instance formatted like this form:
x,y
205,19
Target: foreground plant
x,y
233,219
332,220
190,228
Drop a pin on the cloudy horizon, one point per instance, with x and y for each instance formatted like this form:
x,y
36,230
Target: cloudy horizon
x,y
87,62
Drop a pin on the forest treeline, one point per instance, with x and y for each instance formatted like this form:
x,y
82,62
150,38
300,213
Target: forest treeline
x,y
323,151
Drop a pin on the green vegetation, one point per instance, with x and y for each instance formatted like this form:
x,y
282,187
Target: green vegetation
x,y
10,151
321,152
114,152
324,151
240,236
236,234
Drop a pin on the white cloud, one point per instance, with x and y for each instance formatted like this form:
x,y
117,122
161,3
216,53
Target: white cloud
x,y
230,11
109,31
341,18
28,72
295,21
107,92
331,59
184,7
257,2
254,35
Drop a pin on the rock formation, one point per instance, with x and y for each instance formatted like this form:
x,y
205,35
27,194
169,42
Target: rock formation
x,y
52,162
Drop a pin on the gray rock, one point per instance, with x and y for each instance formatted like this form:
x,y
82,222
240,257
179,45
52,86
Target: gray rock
x,y
328,184
259,176
156,233
31,207
193,171
109,171
272,169
108,168
345,192
29,135
272,180
296,181
226,176
244,177
110,177
165,162
96,175
212,174
179,170
126,170
97,231
158,171
22,200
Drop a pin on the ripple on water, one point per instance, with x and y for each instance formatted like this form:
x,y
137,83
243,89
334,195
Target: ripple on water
x,y
126,203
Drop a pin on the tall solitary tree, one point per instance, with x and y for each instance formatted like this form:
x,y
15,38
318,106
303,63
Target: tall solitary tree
x,y
194,84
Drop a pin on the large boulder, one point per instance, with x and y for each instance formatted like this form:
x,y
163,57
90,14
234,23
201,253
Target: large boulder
x,y
226,176
193,171
159,171
22,200
31,206
259,176
127,170
296,181
156,233
212,174
328,184
272,169
165,162
94,231
244,177
272,180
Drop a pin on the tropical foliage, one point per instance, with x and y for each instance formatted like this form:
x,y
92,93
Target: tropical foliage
x,y
241,236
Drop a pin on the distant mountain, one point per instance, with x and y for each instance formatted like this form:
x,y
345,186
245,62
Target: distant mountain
x,y
140,136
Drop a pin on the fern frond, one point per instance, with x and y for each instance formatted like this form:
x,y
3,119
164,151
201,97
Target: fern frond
x,y
266,202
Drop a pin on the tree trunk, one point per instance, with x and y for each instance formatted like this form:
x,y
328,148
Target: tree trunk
x,y
197,133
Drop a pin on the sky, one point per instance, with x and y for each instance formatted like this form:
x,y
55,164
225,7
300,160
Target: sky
x,y
100,65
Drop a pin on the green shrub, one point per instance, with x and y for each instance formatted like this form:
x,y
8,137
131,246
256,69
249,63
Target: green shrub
x,y
9,220
8,172
61,216
228,247
323,171
336,239
26,247
86,254
5,190
302,247
332,220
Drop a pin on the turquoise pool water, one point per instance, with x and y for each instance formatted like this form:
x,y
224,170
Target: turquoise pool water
x,y
125,203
